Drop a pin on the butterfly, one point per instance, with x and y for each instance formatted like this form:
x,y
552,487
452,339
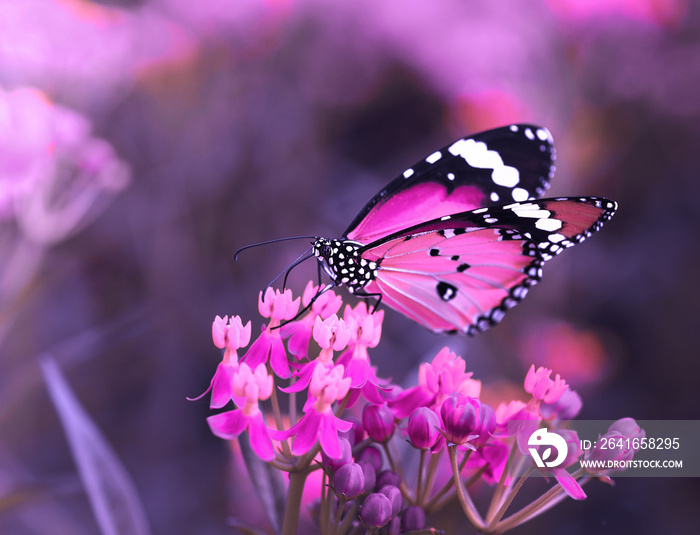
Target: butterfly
x,y
459,238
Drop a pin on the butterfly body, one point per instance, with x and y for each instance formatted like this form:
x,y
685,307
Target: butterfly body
x,y
344,264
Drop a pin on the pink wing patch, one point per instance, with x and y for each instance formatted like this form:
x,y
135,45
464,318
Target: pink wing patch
x,y
448,283
422,202
462,272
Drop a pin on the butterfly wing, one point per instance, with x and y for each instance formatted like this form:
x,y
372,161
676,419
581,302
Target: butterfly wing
x,y
512,163
462,272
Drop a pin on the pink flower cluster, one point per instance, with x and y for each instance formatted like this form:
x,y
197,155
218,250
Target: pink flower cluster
x,y
356,423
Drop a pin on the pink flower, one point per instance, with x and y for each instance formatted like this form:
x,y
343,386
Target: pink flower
x,y
299,332
319,423
542,387
331,334
619,444
444,376
423,426
378,422
269,347
54,175
229,335
278,306
461,417
252,387
366,332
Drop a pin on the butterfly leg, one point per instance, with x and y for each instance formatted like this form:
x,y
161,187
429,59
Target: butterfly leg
x,y
365,295
319,293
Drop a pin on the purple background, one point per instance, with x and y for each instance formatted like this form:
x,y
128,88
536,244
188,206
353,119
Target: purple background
x,y
245,121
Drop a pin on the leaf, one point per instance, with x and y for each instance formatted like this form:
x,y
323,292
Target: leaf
x,y
266,481
113,497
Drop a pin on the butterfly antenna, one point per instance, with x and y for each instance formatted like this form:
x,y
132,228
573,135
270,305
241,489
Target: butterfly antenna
x,y
302,258
239,251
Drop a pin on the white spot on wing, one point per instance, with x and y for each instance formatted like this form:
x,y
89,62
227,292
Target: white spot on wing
x,y
446,218
529,134
520,194
543,134
494,196
550,225
450,176
514,128
477,154
434,157
556,238
526,210
408,173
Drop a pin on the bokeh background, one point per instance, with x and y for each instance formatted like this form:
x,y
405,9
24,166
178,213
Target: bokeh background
x,y
143,141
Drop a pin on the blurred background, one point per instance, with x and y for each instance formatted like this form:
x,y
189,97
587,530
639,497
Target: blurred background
x,y
143,141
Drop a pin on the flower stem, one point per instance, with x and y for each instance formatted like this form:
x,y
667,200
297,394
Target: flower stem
x,y
278,418
293,507
465,499
500,489
434,504
419,484
508,500
548,500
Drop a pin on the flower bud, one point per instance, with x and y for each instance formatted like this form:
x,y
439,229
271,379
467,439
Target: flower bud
x,y
487,425
388,477
423,428
370,475
394,495
372,456
413,518
376,511
461,417
356,433
378,421
345,456
349,481
619,444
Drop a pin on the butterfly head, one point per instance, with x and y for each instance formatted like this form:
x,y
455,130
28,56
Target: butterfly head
x,y
344,264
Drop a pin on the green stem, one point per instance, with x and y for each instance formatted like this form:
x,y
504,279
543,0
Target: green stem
x,y
293,507
278,416
431,506
419,484
500,489
465,499
509,499
539,506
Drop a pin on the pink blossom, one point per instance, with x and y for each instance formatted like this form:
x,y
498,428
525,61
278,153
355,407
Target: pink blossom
x,y
269,347
622,440
54,175
331,334
366,332
229,335
299,332
252,387
327,386
277,305
437,380
461,416
542,388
